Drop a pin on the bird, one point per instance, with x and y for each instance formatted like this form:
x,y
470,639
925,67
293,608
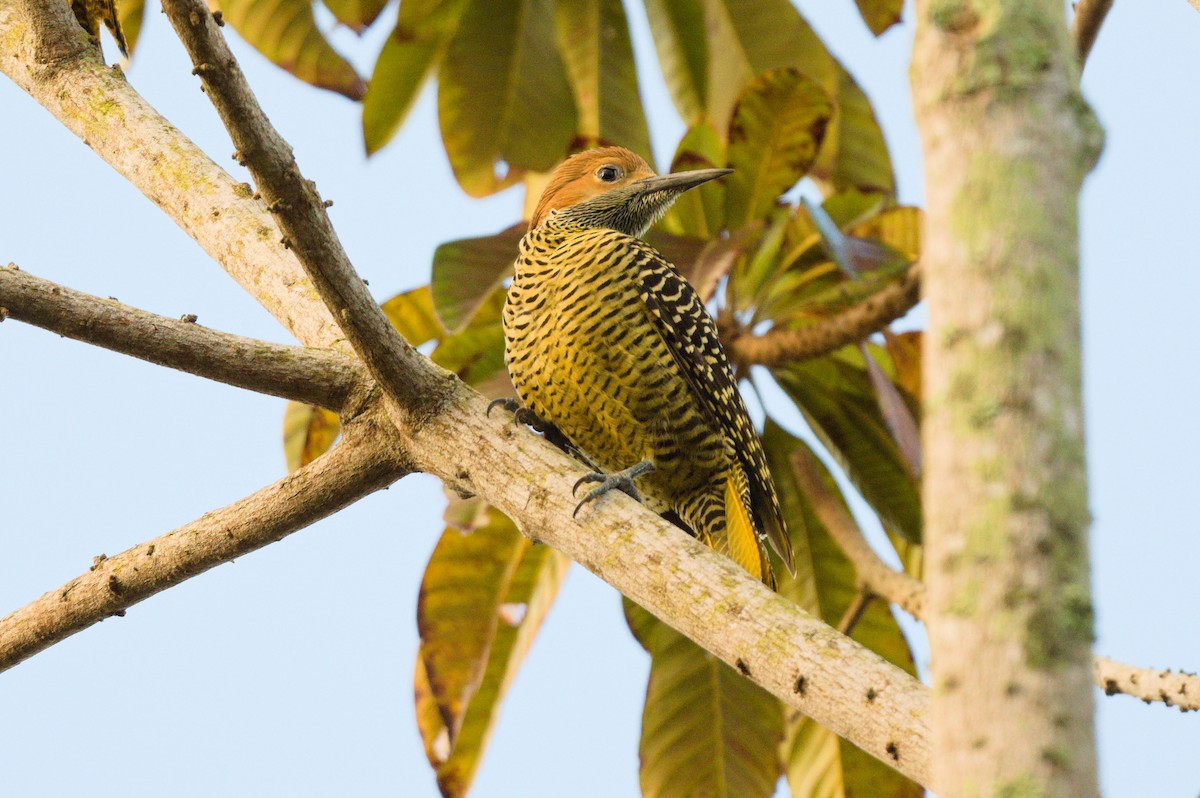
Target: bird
x,y
91,12
610,347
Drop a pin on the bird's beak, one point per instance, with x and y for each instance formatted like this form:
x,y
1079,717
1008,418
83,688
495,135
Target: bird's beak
x,y
679,182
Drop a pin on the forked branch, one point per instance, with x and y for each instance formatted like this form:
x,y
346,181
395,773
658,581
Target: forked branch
x,y
403,373
314,376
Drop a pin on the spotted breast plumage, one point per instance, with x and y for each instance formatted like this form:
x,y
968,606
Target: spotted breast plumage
x,y
609,344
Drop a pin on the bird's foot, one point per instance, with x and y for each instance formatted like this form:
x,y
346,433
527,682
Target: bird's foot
x,y
622,481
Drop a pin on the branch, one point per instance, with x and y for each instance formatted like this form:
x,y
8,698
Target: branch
x,y
359,465
877,578
781,345
874,575
301,213
44,54
1175,689
313,376
1085,26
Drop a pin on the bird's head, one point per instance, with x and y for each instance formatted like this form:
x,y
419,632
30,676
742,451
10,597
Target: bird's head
x,y
614,188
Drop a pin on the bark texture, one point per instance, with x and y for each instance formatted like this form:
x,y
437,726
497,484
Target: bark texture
x,y
1007,141
313,376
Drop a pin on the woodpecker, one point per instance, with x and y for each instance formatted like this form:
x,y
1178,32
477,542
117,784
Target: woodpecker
x,y
91,12
609,345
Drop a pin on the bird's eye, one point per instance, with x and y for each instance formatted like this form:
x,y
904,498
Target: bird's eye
x,y
608,173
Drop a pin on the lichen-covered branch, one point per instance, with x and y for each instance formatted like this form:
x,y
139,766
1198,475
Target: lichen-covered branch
x,y
314,376
1085,26
45,53
1173,688
1007,141
359,465
781,345
301,214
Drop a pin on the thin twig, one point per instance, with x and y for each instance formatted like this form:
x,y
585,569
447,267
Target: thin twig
x,y
359,465
313,376
401,371
854,613
1173,688
1085,26
781,345
877,578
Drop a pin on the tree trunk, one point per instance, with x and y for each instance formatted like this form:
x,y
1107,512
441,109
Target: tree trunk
x,y
1007,141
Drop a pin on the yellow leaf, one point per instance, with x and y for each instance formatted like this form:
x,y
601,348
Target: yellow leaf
x,y
287,34
774,136
308,432
500,612
706,729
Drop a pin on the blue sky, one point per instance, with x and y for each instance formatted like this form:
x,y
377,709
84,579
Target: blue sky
x,y
289,671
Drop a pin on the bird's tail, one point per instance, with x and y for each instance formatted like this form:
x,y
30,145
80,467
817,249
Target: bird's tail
x,y
744,547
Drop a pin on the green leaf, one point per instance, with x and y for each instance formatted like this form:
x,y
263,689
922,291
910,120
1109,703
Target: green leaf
x,y
458,609
701,211
837,399
853,207
412,314
593,40
357,15
476,354
880,14
285,32
412,51
854,153
774,136
706,729
308,432
527,597
504,104
749,37
818,763
467,271
899,228
131,14
681,39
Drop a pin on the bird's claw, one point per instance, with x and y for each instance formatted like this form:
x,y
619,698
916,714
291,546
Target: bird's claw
x,y
520,413
511,405
622,481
